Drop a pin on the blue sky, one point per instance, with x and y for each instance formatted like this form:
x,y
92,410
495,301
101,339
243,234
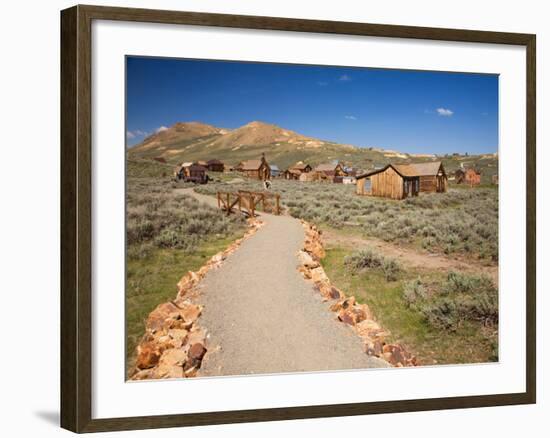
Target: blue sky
x,y
409,111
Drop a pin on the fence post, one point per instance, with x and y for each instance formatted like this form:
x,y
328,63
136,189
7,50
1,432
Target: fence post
x,y
277,201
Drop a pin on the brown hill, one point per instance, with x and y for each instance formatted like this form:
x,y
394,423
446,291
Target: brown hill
x,y
259,133
178,133
194,141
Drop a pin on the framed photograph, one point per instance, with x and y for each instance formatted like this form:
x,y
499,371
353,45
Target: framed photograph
x,y
269,218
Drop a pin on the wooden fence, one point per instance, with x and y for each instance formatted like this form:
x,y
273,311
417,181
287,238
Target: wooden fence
x,y
248,202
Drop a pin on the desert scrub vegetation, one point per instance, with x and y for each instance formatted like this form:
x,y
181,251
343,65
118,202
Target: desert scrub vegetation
x,y
167,235
157,217
457,222
369,259
396,305
460,299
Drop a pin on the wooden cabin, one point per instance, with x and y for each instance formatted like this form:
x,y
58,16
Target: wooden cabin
x,y
327,172
257,169
431,174
292,174
296,170
399,181
192,173
215,166
469,176
301,167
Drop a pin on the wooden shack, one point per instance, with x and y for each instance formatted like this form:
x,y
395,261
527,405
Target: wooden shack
x,y
327,172
192,173
257,169
296,170
215,166
292,174
301,167
399,181
431,174
468,176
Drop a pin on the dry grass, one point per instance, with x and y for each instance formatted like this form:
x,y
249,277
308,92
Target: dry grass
x,y
459,221
168,234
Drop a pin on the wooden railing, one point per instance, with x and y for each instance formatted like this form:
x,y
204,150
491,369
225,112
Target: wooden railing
x,y
248,202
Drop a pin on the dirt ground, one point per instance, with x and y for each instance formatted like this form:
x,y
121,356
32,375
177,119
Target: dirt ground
x,y
409,257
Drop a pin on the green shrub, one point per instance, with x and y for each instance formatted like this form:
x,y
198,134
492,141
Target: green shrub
x,y
462,297
414,291
366,258
370,259
158,217
391,269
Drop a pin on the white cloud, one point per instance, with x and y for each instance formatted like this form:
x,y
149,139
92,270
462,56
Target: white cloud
x,y
130,135
444,112
322,83
160,129
345,78
350,117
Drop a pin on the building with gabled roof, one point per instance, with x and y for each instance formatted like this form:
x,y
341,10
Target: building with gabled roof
x,y
257,169
399,181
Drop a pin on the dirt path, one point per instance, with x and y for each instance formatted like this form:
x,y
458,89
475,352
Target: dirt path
x,y
409,257
263,317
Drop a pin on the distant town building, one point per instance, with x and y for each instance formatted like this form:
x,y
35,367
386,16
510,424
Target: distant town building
x,y
468,176
215,165
327,172
257,169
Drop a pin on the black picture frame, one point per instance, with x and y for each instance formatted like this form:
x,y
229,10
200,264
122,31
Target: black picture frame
x,y
76,217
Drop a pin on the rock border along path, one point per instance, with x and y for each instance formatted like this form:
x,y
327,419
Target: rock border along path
x,y
262,315
358,316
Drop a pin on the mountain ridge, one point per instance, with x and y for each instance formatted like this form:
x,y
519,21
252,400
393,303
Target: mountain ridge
x,y
193,141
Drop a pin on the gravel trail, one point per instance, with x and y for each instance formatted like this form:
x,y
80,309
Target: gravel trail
x,y
263,317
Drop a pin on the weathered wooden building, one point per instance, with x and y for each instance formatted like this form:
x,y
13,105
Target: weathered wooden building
x,y
399,181
327,172
215,165
291,174
301,167
432,175
296,170
468,176
192,173
257,169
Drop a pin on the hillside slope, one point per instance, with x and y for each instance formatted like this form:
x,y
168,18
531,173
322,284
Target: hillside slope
x,y
193,141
